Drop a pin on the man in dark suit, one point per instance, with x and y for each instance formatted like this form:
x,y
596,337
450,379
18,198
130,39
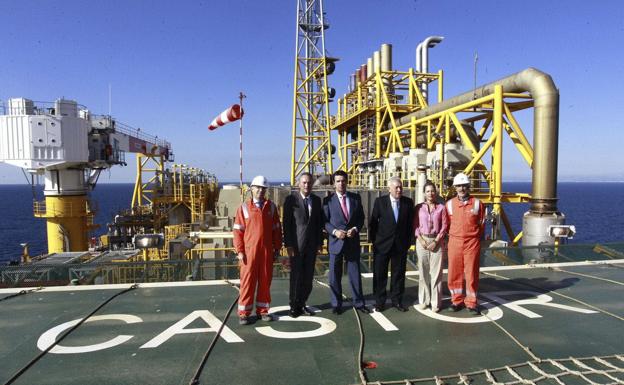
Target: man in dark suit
x,y
390,230
344,218
303,237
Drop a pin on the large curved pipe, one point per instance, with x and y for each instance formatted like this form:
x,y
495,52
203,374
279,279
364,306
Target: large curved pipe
x,y
545,128
429,42
422,59
418,57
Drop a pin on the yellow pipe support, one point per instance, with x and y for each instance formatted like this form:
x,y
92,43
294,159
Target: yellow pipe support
x,y
136,194
440,86
497,153
66,223
524,143
441,175
410,88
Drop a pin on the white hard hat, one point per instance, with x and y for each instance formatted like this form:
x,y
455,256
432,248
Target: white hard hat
x,y
460,179
260,181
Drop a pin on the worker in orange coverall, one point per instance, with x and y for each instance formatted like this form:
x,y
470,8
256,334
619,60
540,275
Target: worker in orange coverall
x,y
467,216
257,240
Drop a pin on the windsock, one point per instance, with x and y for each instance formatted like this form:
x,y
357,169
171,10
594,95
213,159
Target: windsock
x,y
231,114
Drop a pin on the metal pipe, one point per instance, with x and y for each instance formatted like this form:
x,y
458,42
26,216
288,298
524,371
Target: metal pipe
x,y
429,42
421,179
376,62
386,64
419,57
545,128
386,57
363,72
369,73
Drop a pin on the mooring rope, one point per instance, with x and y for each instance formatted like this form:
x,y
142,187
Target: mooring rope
x,y
360,354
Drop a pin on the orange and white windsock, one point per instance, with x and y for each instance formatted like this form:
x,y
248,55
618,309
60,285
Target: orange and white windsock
x,y
230,115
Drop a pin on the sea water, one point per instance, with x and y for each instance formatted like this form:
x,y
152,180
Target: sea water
x,y
594,208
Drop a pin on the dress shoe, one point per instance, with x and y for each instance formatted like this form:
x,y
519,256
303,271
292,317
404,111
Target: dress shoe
x,y
456,308
307,311
474,310
399,307
266,317
364,309
380,308
243,320
337,310
294,312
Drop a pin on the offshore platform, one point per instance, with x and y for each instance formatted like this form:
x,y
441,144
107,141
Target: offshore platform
x,y
151,300
388,123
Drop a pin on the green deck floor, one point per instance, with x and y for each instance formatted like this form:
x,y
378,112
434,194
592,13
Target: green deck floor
x,y
313,350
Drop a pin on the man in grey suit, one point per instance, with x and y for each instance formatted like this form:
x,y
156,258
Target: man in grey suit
x,y
344,218
390,230
303,237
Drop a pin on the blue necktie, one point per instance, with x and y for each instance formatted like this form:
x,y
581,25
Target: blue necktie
x,y
395,209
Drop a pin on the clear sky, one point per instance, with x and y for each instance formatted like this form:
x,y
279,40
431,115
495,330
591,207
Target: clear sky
x,y
173,66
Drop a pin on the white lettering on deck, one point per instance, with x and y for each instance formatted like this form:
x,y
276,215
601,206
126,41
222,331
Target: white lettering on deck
x,y
492,309
326,326
48,338
179,328
539,299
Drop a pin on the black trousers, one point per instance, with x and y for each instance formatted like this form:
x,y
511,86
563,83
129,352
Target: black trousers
x,y
397,276
301,277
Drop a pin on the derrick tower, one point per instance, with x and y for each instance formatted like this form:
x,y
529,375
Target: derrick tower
x,y
311,140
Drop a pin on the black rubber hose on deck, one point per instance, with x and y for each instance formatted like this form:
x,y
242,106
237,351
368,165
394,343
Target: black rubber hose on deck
x,y
65,334
22,292
200,368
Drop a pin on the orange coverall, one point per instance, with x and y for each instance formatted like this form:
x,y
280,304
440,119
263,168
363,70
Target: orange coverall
x,y
257,234
467,219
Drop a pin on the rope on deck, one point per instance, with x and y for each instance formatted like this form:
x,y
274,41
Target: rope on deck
x,y
22,292
525,348
200,368
66,333
604,370
360,355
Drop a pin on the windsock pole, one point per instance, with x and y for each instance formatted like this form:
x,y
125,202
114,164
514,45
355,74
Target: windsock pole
x,y
241,96
233,113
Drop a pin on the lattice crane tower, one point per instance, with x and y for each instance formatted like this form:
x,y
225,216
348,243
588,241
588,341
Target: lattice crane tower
x,y
311,140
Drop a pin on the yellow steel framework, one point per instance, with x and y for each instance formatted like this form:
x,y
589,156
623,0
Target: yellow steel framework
x,y
193,188
150,173
311,139
363,114
159,192
492,118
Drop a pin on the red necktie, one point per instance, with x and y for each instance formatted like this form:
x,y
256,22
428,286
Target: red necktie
x,y
343,205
